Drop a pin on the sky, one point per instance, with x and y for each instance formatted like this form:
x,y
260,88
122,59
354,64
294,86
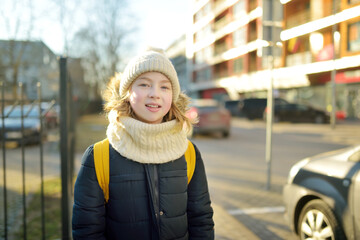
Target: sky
x,y
160,23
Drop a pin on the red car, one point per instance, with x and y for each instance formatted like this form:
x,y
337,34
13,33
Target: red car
x,y
212,116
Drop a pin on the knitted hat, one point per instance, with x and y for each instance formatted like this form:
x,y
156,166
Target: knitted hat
x,y
153,60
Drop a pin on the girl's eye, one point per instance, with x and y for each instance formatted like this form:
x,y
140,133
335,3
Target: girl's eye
x,y
143,85
165,87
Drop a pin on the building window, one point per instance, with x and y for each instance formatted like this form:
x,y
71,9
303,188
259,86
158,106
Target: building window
x,y
238,65
353,1
239,9
208,53
220,47
203,75
199,57
221,70
354,37
239,37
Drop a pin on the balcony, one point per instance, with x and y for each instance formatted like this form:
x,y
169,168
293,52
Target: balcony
x,y
307,16
221,23
298,19
298,59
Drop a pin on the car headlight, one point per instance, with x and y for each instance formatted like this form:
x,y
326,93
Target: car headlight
x,y
295,169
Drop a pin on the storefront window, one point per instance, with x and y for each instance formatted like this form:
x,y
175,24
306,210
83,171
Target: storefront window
x,y
354,37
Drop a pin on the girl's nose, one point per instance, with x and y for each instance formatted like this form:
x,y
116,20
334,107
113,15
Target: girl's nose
x,y
154,92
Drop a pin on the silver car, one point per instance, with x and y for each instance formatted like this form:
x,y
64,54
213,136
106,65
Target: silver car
x,y
21,127
322,195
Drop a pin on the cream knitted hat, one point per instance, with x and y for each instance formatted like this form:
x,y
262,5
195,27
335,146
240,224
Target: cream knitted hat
x,y
152,60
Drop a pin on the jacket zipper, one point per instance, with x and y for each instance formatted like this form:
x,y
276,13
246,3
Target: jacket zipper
x,y
153,190
156,196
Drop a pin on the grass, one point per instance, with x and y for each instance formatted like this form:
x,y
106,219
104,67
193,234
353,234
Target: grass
x,y
52,197
89,129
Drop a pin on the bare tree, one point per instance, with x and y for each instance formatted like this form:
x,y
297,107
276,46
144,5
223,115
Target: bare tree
x,y
66,12
18,23
101,42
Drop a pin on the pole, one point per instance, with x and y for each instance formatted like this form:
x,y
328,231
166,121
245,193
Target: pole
x,y
64,155
270,99
333,73
42,199
269,122
2,84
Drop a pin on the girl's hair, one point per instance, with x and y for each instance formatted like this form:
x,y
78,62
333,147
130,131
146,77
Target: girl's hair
x,y
122,105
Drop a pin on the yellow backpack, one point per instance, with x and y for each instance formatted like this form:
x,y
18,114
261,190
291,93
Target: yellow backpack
x,y
101,160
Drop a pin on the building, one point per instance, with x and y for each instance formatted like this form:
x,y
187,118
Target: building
x,y
29,62
228,48
228,45
177,55
322,38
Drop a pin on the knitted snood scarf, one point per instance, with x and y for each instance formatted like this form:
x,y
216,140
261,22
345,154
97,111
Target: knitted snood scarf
x,y
146,143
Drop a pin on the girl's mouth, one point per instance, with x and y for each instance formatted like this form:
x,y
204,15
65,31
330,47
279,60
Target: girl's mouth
x,y
152,106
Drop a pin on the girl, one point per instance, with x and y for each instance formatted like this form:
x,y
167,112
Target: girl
x,y
149,197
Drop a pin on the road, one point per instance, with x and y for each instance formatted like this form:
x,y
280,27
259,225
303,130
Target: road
x,y
236,169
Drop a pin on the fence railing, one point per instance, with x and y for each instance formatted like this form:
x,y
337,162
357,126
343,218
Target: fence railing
x,y
22,122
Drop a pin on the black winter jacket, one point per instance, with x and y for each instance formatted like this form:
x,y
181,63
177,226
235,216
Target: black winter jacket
x,y
146,201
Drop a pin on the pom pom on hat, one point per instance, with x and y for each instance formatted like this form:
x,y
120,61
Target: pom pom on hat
x,y
152,60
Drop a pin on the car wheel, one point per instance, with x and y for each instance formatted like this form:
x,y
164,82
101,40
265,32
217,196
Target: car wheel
x,y
317,221
226,134
319,119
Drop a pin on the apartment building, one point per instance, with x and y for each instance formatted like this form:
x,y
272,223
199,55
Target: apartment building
x,y
227,47
231,55
321,40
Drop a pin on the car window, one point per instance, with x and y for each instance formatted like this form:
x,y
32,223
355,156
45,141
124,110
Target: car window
x,y
302,107
280,101
355,157
16,112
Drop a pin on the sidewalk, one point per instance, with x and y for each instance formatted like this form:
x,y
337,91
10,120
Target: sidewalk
x,y
228,228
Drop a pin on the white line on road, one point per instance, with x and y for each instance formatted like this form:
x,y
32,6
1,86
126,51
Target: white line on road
x,y
262,210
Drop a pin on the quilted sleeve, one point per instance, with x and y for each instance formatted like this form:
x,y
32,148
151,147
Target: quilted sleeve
x,y
88,219
200,212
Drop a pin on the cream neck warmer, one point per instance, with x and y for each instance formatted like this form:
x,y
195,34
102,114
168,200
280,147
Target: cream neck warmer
x,y
146,143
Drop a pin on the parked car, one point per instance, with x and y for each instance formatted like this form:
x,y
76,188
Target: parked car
x,y
294,112
234,106
51,113
212,116
322,195
13,124
254,108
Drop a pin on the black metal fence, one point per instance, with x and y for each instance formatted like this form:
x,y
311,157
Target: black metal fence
x,y
24,122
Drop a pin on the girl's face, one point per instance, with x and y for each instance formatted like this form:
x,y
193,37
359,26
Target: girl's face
x,y
151,97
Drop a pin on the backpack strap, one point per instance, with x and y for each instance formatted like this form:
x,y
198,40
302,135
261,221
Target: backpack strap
x,y
190,157
101,161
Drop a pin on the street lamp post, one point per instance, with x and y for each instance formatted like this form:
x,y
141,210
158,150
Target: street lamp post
x,y
333,73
